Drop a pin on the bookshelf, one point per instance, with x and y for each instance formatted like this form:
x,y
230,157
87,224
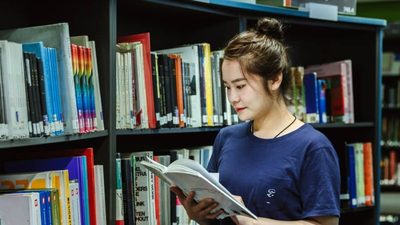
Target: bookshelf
x,y
173,23
390,188
83,19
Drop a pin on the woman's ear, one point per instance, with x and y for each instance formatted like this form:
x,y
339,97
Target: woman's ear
x,y
276,82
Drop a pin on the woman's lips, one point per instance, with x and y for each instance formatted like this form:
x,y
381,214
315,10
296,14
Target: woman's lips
x,y
240,109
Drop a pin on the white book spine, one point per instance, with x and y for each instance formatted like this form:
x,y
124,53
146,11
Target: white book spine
x,y
142,188
97,95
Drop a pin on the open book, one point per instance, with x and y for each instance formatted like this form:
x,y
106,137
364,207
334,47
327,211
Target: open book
x,y
189,175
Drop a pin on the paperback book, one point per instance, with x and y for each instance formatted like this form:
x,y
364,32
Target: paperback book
x,y
189,176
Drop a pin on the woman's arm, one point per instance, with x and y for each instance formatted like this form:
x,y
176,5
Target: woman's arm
x,y
322,220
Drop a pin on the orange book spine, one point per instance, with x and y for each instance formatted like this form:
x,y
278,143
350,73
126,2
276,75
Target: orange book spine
x,y
179,88
368,174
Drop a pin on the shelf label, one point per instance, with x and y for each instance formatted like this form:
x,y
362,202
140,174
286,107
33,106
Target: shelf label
x,y
321,11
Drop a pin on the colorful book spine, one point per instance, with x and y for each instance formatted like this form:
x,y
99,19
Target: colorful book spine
x,y
119,206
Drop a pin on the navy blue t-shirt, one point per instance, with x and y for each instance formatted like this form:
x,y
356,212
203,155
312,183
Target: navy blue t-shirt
x,y
292,177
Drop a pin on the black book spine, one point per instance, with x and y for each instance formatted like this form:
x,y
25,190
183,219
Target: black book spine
x,y
223,98
156,88
202,86
161,77
127,191
168,97
173,93
36,94
29,96
42,94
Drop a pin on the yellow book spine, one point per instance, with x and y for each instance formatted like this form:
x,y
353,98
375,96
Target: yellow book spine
x,y
208,84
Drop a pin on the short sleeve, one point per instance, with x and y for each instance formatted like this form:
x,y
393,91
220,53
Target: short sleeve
x,y
320,183
213,163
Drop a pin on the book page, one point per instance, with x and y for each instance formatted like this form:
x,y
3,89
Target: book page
x,y
182,163
193,181
158,169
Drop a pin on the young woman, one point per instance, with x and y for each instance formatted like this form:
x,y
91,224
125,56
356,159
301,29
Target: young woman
x,y
283,170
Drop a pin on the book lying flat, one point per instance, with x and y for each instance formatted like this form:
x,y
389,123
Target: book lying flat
x,y
189,176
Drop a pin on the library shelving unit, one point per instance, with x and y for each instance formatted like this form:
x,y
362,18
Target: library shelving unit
x,y
390,188
312,41
177,22
97,20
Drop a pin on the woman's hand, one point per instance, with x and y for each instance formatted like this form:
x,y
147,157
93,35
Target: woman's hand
x,y
202,212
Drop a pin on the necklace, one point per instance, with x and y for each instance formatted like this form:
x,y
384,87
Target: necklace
x,y
290,124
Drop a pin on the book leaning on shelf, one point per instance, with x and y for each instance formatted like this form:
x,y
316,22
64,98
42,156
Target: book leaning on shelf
x,y
189,176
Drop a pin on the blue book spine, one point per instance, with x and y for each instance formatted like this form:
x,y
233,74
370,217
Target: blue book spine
x,y
53,114
85,187
352,175
322,101
311,97
57,89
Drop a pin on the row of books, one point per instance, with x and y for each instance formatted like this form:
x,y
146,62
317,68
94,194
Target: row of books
x,y
31,207
181,87
141,198
391,63
177,87
87,85
38,95
360,177
391,94
322,93
390,168
390,130
72,173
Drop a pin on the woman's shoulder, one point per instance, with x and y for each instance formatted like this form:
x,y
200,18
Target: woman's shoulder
x,y
236,129
313,136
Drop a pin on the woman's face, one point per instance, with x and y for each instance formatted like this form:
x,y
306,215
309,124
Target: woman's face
x,y
246,93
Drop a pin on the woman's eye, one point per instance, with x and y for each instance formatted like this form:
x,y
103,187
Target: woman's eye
x,y
240,86
227,87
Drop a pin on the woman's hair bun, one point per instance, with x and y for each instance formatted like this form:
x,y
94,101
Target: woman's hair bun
x,y
270,27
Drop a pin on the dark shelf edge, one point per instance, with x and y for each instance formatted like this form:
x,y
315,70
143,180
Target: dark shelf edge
x,y
216,129
167,131
343,125
50,140
358,209
390,188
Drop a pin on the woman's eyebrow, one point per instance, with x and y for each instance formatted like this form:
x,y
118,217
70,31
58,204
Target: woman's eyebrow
x,y
235,80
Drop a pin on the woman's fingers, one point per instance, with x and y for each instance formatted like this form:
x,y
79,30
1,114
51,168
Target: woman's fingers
x,y
203,209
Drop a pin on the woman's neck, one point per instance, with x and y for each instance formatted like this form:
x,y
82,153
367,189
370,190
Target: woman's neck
x,y
278,121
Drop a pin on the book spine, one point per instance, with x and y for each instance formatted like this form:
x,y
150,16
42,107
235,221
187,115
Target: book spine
x,y
208,84
368,174
359,157
352,175
311,96
156,88
173,92
119,208
127,191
